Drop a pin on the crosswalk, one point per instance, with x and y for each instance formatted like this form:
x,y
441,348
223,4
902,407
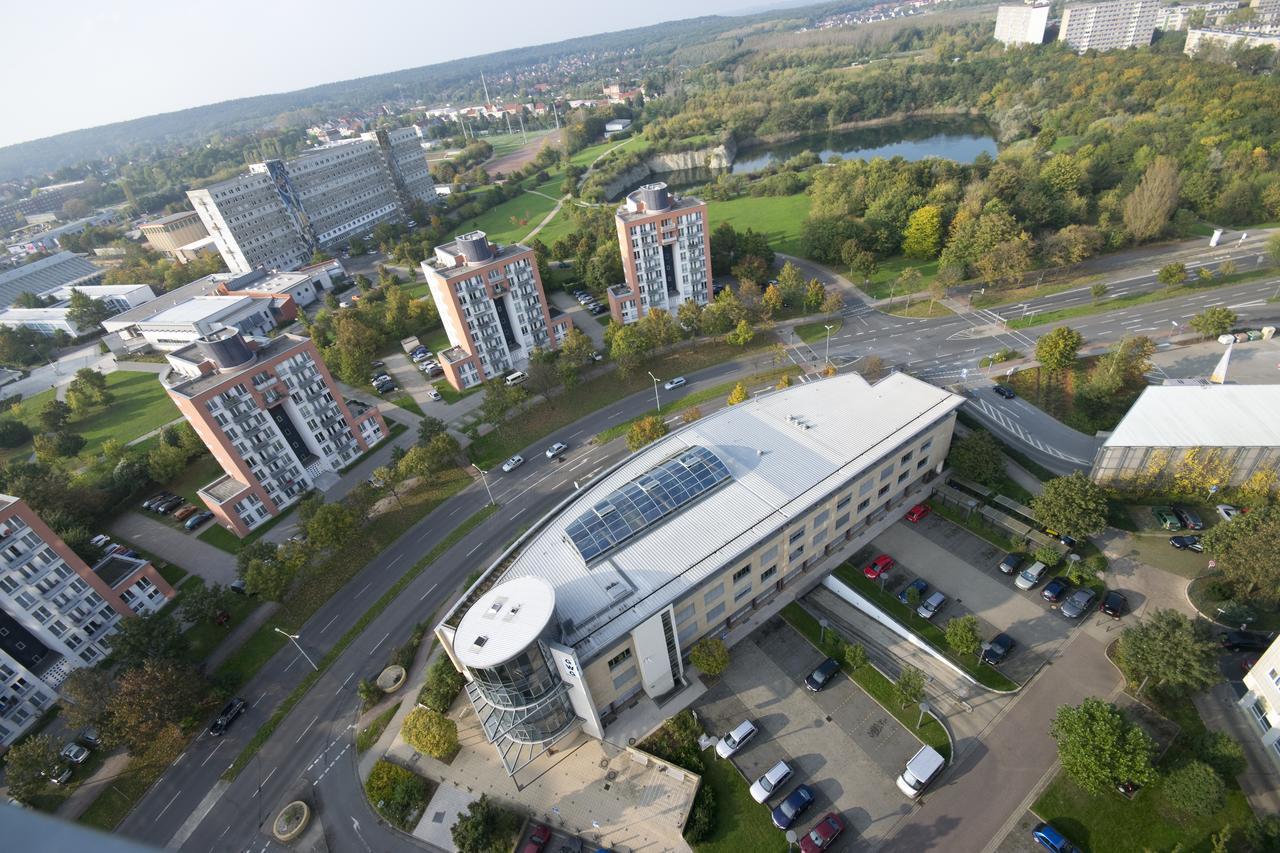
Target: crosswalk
x,y
991,413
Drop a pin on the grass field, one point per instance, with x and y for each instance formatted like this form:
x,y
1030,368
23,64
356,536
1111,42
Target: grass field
x,y
883,281
741,824
591,152
812,333
505,143
777,217
922,307
510,221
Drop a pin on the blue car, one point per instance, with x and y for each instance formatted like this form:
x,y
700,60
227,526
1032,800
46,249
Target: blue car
x,y
1055,589
1050,839
790,809
919,585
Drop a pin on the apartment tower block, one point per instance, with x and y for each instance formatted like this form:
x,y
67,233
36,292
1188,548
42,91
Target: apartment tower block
x,y
666,256
1112,25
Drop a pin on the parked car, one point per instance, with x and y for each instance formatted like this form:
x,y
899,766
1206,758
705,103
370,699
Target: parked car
x,y
931,606
596,356
821,676
74,753
1011,562
1189,518
1055,589
537,839
790,809
170,505
764,788
998,649
1166,517
1050,839
1187,543
922,769
1244,641
557,450
198,519
1114,604
1080,603
89,737
238,586
434,394
151,502
513,463
1004,391
1227,511
918,512
185,512
514,378
377,363
598,309
878,567
102,540
734,740
230,711
919,585
823,835
1030,577
672,384
58,774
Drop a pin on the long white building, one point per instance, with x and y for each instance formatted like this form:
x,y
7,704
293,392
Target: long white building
x,y
1109,25
280,212
1023,23
1203,38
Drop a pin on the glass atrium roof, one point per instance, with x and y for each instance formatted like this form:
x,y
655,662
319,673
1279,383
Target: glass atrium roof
x,y
655,494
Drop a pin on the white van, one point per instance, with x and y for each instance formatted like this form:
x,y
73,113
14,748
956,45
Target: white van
x,y
515,378
920,771
1029,577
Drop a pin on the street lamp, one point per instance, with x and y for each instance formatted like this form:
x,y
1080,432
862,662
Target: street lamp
x,y
656,401
822,636
294,638
485,479
827,359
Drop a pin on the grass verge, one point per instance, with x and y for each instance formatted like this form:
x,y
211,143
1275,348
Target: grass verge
x,y
812,333
219,537
409,404
369,735
741,824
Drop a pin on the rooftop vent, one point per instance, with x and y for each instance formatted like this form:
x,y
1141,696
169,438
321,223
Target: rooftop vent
x,y
475,247
480,641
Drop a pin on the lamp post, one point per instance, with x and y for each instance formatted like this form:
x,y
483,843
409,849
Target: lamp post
x,y
827,358
656,401
822,636
485,479
294,638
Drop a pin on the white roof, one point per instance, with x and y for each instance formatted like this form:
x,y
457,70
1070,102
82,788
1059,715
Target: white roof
x,y
199,308
1201,416
504,622
784,450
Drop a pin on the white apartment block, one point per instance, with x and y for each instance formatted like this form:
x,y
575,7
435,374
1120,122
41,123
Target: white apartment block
x,y
1023,23
1113,25
1200,39
1171,18
282,211
1261,702
1265,11
666,256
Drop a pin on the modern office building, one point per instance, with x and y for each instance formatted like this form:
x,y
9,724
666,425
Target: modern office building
x,y
1229,429
48,275
272,416
1109,25
1261,701
279,213
1022,23
492,306
57,613
595,608
1205,38
170,233
54,318
666,253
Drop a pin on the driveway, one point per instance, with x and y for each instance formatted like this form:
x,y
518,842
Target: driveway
x,y
840,742
182,549
582,318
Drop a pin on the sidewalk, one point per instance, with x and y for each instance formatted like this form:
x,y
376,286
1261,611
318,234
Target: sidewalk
x,y
84,795
181,549
1261,779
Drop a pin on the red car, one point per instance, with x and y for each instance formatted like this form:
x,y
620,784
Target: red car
x,y
823,835
877,567
537,839
918,512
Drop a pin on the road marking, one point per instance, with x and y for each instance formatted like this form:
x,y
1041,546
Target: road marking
x,y
166,808
477,548
343,686
615,414
292,662
428,592
517,515
263,783
380,642
330,622
259,699
454,512
581,461
576,434
363,588
307,729
398,558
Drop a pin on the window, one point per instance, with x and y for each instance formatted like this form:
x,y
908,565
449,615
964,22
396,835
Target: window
x,y
886,472
684,613
769,554
741,573
1275,677
768,573
924,460
712,594
620,658
796,554
796,536
867,485
844,501
842,520
884,490
904,475
821,518
741,594
715,613
906,457
864,504
623,678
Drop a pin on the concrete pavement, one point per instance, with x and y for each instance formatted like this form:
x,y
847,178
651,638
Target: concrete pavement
x,y
176,546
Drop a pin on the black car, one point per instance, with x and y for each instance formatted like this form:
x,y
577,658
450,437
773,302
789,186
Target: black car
x,y
1187,543
155,500
821,676
1011,563
1055,589
998,649
1114,604
170,505
198,519
230,711
1244,641
1004,391
1189,519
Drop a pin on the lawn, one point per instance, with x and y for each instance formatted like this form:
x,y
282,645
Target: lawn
x,y
204,637
884,280
1209,595
200,472
591,152
923,308
742,824
510,221
560,226
406,402
369,735
219,537
779,218
812,333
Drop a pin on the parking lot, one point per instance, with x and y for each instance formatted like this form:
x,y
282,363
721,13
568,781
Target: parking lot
x,y
840,742
561,841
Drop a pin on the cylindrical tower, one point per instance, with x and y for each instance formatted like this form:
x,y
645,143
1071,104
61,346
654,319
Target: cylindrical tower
x,y
474,246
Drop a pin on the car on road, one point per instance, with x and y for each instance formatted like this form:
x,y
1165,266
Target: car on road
x,y
789,810
672,384
230,711
769,784
537,839
1227,511
998,649
557,450
1244,641
920,585
931,606
1080,603
1004,391
1011,562
1051,839
1055,589
1187,543
198,519
74,753
513,463
918,512
1189,518
821,676
434,394
823,835
878,567
734,740
1114,604
1030,577
1166,518
921,769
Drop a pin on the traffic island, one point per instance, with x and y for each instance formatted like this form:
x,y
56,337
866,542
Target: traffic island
x,y
291,821
391,679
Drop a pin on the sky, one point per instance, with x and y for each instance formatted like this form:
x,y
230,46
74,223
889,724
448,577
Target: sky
x,y
90,62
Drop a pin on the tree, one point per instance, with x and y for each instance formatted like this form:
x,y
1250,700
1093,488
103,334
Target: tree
x,y
13,433
1221,752
1194,790
1171,274
150,699
978,457
832,303
963,635
922,238
204,603
85,312
909,688
54,415
646,431
1048,554
1174,654
791,284
741,335
630,347
771,301
26,764
165,462
485,827
690,415
332,526
710,655
429,428
659,328
1099,748
1246,550
1074,505
1215,321
859,260
1006,262
387,479
855,656
499,400
1058,349
154,637
442,687
575,353
431,732
87,692
57,445
1098,291
1149,207
737,395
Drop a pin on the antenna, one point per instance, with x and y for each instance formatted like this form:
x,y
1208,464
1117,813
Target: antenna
x,y
486,89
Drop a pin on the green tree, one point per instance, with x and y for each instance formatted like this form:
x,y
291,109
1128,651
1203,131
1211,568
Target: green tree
x,y
855,656
710,655
1098,291
154,637
165,462
429,428
442,686
1170,652
203,603
1074,505
1048,554
1099,748
431,733
909,687
575,354
499,400
13,433
1058,349
859,260
152,698
659,328
84,312
1221,752
978,457
1148,209
742,334
908,281
332,526
1194,790
54,415
57,445
923,237
737,395
26,764
791,284
87,694
1171,274
963,635
1245,551
645,431
1215,321
771,301
630,347
485,827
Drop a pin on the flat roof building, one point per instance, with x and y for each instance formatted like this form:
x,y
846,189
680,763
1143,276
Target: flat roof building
x,y
1206,38
1109,25
666,255
602,599
47,275
54,318
1023,23
170,233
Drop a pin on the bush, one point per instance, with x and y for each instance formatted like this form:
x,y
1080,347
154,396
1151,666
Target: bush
x,y
702,817
431,733
442,685
396,793
1194,790
1048,555
485,827
13,432
710,655
1221,752
676,741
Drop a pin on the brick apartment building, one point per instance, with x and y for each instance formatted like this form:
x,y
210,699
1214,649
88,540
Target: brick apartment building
x,y
666,256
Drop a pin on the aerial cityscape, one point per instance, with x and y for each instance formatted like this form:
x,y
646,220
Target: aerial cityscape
x,y
843,427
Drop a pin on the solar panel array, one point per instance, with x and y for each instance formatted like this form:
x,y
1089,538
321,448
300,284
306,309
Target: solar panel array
x,y
655,494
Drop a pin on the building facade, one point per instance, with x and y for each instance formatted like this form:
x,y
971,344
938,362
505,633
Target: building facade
x,y
47,275
54,318
1023,23
666,255
272,416
1261,701
1205,38
48,199
170,233
1171,18
596,607
1111,25
492,307
282,211
57,613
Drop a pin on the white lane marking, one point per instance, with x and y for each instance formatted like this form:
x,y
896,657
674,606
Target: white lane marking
x,y
454,512
166,808
428,592
292,662
212,754
380,642
330,622
344,684
263,783
517,515
362,589
259,699
477,548
307,729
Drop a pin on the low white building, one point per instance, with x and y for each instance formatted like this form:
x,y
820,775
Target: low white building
x,y
54,318
1262,701
181,325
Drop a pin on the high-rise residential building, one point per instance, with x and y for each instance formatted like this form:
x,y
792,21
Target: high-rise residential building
x,y
170,233
57,613
1109,25
1023,23
279,213
1261,701
666,256
1265,11
1179,17
1204,38
492,306
272,416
